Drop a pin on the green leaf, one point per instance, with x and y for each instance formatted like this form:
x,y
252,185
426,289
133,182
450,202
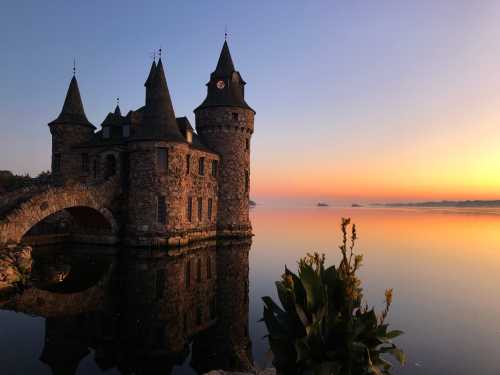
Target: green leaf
x,y
275,329
302,316
375,370
312,285
399,355
285,296
271,305
393,334
302,349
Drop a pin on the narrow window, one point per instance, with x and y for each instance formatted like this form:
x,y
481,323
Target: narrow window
x,y
235,116
201,167
189,136
161,210
162,155
110,167
213,308
200,208
160,283
214,168
198,271
209,209
199,315
187,274
209,268
56,167
247,182
126,131
85,162
188,163
105,132
190,209
247,144
185,322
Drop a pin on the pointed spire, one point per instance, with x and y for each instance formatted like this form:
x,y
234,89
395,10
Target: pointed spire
x,y
226,87
152,72
225,64
159,116
117,108
72,111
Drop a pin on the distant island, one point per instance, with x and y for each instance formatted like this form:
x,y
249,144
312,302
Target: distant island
x,y
445,203
356,205
322,204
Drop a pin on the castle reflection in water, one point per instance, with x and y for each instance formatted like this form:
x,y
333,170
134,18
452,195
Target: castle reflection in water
x,y
141,311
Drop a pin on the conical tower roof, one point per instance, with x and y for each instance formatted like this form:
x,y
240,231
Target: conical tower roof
x,y
152,72
72,111
226,88
225,66
159,115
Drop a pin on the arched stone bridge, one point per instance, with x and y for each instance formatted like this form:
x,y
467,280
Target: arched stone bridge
x,y
88,204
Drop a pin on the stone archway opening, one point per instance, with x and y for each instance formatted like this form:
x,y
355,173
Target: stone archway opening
x,y
74,224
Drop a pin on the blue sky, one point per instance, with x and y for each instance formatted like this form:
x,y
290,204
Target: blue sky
x,y
347,93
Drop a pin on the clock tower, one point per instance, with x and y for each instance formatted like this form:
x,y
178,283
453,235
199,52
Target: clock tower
x,y
225,123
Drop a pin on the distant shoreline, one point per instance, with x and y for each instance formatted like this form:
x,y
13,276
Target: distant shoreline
x,y
445,203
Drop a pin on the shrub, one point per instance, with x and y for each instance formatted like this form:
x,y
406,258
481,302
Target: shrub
x,y
322,325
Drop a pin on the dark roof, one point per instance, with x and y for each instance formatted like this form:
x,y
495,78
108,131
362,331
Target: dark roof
x,y
233,92
225,66
72,111
184,124
114,118
159,117
151,74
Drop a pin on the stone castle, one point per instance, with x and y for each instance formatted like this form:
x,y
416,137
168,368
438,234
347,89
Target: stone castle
x,y
175,185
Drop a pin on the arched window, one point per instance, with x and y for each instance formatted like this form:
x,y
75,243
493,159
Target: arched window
x,y
198,271
187,275
209,268
110,166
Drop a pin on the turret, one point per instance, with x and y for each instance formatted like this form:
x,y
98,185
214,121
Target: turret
x,y
159,117
225,122
70,128
157,154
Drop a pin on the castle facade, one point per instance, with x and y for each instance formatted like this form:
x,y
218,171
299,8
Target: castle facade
x,y
177,185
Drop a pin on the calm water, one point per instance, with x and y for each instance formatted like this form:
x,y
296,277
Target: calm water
x,y
444,266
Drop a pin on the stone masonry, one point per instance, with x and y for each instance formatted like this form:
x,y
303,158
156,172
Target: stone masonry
x,y
171,185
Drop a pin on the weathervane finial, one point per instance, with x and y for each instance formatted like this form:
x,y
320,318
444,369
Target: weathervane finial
x,y
159,53
74,67
118,101
225,33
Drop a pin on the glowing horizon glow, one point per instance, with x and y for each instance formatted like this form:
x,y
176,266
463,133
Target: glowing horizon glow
x,y
355,102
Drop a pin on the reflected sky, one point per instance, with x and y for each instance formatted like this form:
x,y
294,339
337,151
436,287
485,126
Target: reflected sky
x,y
442,264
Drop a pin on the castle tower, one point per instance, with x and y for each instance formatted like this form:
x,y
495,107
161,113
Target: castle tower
x,y
157,154
70,128
225,122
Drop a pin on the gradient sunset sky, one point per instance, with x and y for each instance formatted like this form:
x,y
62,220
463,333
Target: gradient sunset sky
x,y
356,100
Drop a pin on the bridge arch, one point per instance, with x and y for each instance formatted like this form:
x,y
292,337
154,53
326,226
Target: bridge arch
x,y
78,199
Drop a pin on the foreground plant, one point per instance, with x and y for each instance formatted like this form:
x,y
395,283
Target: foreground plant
x,y
323,326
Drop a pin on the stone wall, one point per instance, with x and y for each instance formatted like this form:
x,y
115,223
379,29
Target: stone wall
x,y
148,182
64,137
229,137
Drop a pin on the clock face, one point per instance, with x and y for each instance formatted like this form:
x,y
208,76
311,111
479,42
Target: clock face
x,y
220,85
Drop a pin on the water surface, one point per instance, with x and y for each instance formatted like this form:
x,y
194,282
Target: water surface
x,y
442,264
